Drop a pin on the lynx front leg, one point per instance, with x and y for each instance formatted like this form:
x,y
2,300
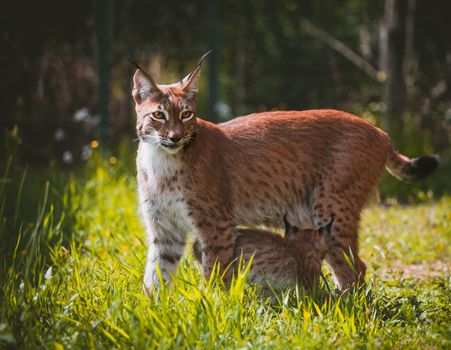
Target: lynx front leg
x,y
165,250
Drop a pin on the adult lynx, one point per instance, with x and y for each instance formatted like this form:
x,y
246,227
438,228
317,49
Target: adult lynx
x,y
197,176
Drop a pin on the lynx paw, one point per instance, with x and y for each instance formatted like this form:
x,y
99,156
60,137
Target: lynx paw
x,y
152,281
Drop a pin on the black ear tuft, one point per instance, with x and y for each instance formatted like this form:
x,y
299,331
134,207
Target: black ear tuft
x,y
137,66
133,62
285,222
204,56
190,82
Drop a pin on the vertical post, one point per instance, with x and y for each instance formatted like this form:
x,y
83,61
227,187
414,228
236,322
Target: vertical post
x,y
128,120
214,61
394,42
240,60
104,33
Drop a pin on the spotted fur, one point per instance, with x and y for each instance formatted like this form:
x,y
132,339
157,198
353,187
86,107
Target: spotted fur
x,y
197,176
281,262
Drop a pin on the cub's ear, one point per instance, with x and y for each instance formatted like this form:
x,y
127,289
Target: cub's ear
x,y
289,229
191,81
143,86
327,229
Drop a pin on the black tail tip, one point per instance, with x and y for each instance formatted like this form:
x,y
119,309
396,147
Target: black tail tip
x,y
423,166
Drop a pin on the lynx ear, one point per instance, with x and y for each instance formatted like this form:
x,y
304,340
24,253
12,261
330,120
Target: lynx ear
x,y
288,227
190,82
326,229
143,86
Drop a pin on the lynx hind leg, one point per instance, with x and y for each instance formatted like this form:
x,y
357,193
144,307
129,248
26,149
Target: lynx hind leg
x,y
342,242
343,255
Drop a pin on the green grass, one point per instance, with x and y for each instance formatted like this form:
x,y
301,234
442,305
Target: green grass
x,y
72,260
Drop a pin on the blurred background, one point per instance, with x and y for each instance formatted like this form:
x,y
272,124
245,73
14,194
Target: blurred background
x,y
66,82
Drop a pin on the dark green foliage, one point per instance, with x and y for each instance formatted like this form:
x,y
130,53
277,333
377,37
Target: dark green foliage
x,y
267,62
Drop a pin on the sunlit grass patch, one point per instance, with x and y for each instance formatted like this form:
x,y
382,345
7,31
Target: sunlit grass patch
x,y
72,265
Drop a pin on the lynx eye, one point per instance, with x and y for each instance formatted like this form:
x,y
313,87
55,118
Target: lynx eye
x,y
158,115
186,115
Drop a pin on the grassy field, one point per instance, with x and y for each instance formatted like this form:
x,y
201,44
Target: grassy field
x,y
72,260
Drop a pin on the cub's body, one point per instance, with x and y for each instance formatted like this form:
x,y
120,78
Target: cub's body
x,y
280,262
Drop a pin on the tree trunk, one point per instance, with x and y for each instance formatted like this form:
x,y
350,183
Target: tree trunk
x,y
104,38
127,123
240,62
392,60
213,68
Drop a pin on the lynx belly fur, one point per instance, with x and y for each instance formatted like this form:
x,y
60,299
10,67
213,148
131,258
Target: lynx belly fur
x,y
197,176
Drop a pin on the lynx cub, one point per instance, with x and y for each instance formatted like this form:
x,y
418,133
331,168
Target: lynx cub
x,y
281,262
197,176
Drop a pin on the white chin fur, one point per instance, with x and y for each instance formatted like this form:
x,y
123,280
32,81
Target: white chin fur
x,y
171,150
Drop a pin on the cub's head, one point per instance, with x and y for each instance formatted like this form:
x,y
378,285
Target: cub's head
x,y
312,240
311,248
166,114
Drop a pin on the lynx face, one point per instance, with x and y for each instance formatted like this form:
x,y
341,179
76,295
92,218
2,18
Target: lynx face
x,y
167,120
166,114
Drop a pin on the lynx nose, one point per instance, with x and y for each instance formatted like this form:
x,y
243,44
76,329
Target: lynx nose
x,y
174,139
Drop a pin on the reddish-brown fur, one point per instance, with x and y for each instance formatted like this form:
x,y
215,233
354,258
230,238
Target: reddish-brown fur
x,y
286,168
280,261
251,171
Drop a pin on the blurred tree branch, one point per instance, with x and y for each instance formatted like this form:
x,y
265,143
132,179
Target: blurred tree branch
x,y
342,49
